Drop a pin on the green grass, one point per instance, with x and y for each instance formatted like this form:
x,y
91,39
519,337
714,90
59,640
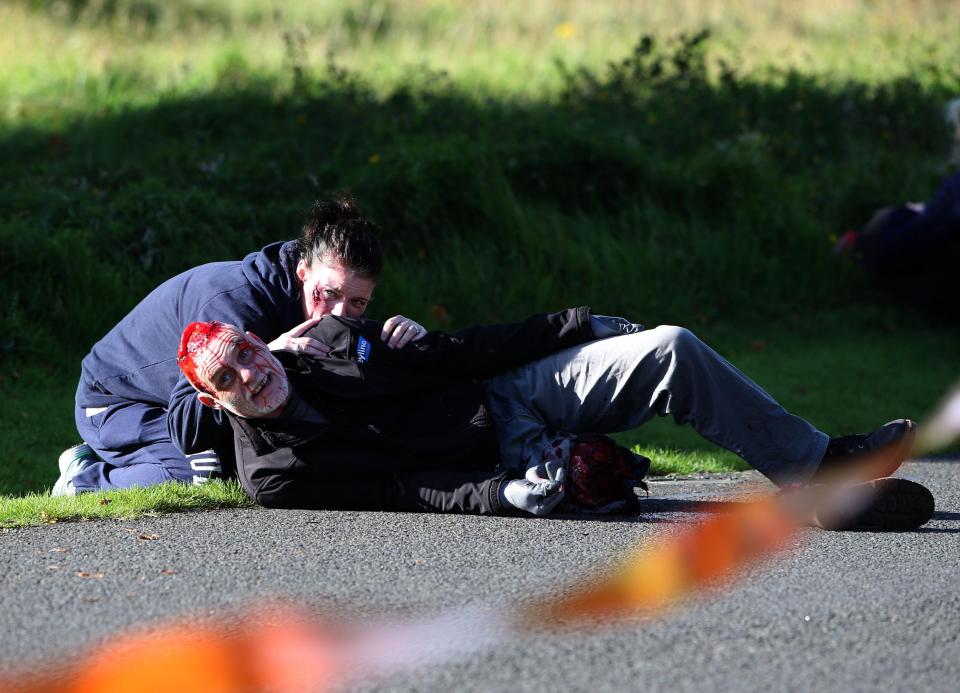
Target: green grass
x,y
665,460
519,158
40,509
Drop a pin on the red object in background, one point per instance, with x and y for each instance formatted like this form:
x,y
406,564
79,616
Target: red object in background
x,y
846,242
601,471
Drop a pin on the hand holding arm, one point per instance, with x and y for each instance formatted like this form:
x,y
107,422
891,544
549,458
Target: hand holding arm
x,y
485,350
399,331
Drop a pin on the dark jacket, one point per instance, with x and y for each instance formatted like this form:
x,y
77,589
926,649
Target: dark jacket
x,y
368,412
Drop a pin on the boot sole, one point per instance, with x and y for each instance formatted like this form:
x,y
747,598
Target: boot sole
x,y
881,505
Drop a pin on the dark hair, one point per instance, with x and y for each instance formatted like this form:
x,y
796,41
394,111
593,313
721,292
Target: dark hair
x,y
336,229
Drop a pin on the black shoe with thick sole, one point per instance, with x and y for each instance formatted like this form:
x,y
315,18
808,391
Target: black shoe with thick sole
x,y
860,457
881,505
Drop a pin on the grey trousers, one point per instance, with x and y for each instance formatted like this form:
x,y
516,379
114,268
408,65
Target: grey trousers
x,y
617,384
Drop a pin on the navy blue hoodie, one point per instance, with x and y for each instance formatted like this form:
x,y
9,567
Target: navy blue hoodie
x,y
137,359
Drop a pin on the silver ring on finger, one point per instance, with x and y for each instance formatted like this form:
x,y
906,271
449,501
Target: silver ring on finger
x,y
299,348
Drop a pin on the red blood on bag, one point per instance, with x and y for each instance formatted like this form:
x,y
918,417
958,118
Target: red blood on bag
x,y
600,471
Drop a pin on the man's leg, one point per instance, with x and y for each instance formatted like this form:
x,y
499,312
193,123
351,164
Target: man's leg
x,y
619,383
135,449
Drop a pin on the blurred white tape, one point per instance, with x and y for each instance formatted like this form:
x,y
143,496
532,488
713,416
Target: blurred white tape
x,y
942,428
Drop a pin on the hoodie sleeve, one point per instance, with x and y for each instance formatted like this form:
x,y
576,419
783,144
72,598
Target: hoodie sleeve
x,y
194,427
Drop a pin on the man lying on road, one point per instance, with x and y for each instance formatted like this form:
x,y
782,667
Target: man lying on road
x,y
480,420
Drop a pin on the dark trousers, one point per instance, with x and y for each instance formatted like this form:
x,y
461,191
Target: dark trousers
x,y
132,440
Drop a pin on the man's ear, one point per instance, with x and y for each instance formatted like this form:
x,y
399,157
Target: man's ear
x,y
301,269
208,401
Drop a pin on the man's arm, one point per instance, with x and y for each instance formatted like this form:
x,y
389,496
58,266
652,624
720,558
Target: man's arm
x,y
292,468
473,353
432,491
441,491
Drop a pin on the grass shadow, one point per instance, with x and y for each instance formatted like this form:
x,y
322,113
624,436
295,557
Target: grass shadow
x,y
687,195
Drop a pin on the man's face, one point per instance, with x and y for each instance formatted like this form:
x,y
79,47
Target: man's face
x,y
329,288
241,375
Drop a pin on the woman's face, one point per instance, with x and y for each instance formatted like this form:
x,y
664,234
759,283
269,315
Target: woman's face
x,y
329,288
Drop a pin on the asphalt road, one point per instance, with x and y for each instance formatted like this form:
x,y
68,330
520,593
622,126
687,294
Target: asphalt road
x,y
837,612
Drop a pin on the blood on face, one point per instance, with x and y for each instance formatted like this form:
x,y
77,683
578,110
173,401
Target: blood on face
x,y
232,370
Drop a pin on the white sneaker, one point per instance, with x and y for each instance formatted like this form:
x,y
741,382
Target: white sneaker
x,y
72,461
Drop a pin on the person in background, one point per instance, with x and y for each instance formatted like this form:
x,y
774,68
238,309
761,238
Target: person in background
x,y
914,249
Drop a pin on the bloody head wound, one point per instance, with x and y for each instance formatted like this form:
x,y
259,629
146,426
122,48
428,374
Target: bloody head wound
x,y
195,338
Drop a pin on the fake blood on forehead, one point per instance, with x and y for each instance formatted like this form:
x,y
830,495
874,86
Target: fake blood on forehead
x,y
203,346
216,351
195,337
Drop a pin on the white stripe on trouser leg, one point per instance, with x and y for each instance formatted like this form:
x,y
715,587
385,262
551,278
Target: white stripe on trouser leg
x,y
206,461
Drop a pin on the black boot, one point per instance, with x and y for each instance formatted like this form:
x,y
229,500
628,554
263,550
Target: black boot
x,y
861,457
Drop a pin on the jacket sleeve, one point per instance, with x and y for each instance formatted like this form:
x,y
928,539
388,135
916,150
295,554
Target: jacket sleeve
x,y
285,477
441,491
485,350
490,349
